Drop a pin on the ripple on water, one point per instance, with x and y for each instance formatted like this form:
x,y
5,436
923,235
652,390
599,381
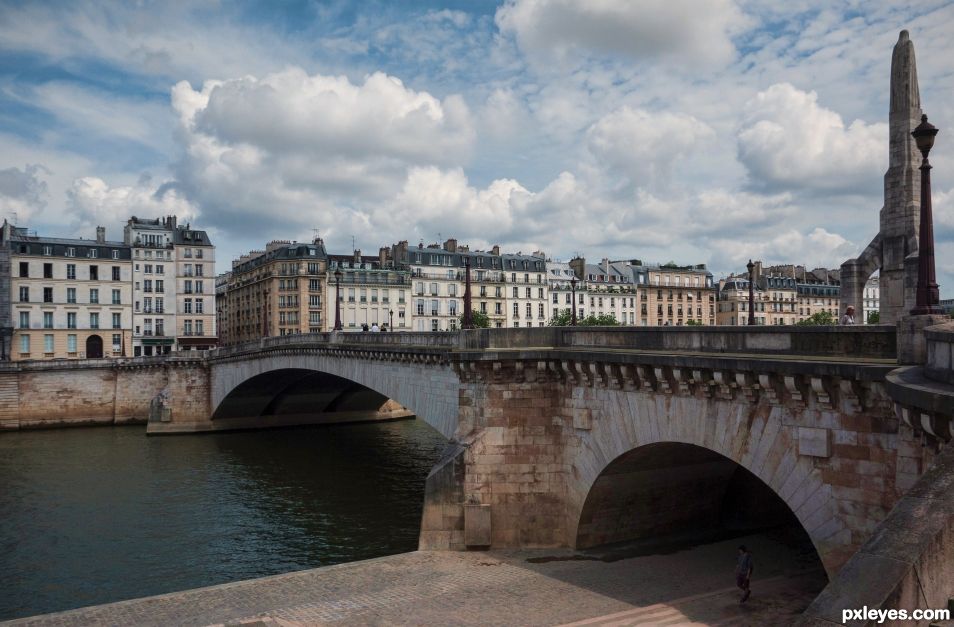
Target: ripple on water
x,y
96,515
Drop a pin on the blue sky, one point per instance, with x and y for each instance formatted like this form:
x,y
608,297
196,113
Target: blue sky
x,y
657,129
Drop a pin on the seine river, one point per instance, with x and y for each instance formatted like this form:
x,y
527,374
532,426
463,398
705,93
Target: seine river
x,y
94,515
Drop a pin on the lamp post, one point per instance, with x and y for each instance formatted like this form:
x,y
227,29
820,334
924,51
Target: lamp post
x,y
391,318
927,294
573,299
751,267
338,300
468,321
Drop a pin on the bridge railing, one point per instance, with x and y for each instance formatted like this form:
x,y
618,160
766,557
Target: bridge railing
x,y
440,340
869,342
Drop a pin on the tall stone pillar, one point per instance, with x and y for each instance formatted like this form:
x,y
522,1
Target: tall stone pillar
x,y
897,237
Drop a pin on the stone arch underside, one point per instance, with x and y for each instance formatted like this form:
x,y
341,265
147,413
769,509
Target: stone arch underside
x,y
298,384
753,436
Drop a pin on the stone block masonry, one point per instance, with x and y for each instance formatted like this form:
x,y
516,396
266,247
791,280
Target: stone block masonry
x,y
89,392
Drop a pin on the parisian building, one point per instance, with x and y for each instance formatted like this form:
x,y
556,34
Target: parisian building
x,y
174,296
783,294
526,289
67,298
872,299
372,292
610,289
560,277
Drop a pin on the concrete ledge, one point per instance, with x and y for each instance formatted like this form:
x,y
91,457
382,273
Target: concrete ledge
x,y
909,386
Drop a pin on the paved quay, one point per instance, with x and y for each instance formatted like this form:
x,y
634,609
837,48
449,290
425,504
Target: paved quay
x,y
546,587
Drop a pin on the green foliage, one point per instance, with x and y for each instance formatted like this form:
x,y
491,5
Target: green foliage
x,y
481,320
819,318
693,323
564,318
874,317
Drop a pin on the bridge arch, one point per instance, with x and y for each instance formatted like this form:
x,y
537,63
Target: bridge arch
x,y
290,381
663,437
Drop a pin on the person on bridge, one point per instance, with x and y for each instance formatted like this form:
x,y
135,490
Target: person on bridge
x,y
375,328
743,573
849,317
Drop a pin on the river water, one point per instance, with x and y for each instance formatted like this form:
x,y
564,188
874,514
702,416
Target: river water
x,y
94,515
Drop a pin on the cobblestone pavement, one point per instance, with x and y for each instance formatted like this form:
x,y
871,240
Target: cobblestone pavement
x,y
490,588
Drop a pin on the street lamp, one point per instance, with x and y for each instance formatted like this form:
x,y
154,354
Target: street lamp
x,y
338,300
751,267
573,299
468,321
927,295
391,318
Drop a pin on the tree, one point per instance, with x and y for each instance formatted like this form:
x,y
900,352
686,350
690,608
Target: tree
x,y
563,319
481,320
693,323
874,317
819,318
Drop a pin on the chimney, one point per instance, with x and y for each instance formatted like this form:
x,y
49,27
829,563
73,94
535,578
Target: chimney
x,y
451,245
578,264
357,255
100,234
495,250
605,264
383,256
758,270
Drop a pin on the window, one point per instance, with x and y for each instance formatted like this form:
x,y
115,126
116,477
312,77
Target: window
x,y
25,344
159,287
452,308
71,343
187,306
199,305
200,331
540,311
93,253
435,308
115,254
71,320
160,269
187,327
47,319
420,307
117,321
71,271
528,292
116,273
94,321
48,343
147,304
24,294
516,310
70,252
117,299
199,288
434,289
188,287
24,269
94,273
47,250
117,342
94,296
198,269
529,310
48,271
160,305
24,319
516,292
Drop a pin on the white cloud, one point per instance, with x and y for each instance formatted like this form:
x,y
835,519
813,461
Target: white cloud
x,y
93,202
289,143
642,146
788,141
563,31
22,193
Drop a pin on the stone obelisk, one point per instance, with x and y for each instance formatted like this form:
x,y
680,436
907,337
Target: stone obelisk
x,y
893,251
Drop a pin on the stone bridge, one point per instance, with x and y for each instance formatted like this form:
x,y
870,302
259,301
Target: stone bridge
x,y
582,437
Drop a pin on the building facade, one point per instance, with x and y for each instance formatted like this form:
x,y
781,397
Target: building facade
x,y
69,298
671,294
784,294
373,292
173,291
872,301
560,277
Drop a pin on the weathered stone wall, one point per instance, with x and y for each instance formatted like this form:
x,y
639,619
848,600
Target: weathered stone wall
x,y
541,434
53,394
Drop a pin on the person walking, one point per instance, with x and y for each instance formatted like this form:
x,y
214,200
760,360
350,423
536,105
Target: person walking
x,y
743,573
375,328
849,317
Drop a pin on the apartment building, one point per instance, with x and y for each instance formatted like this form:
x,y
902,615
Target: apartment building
x,y
559,279
438,277
872,299
526,289
610,289
194,288
276,291
784,294
372,292
173,291
670,294
68,298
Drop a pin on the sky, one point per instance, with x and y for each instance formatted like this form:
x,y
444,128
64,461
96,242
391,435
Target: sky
x,y
663,130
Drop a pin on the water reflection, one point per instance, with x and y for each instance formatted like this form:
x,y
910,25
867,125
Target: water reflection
x,y
98,515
